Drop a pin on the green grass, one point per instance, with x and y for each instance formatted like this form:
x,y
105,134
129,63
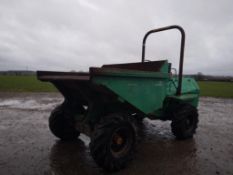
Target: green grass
x,y
216,89
29,83
24,83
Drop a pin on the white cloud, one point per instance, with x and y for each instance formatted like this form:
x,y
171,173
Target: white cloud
x,y
76,34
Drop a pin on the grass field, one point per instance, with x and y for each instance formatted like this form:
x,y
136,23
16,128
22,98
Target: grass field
x,y
24,83
216,89
29,83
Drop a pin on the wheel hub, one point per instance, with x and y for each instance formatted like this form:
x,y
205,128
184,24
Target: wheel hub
x,y
117,139
121,141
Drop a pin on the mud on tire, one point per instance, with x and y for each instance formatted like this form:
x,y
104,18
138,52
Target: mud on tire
x,y
184,122
113,140
62,125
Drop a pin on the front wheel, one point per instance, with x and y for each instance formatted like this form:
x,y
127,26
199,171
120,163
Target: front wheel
x,y
113,140
184,121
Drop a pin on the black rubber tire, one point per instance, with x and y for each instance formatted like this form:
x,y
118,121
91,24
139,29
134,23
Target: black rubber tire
x,y
139,118
61,125
184,122
108,154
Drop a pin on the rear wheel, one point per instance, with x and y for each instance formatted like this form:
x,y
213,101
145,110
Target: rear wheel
x,y
113,140
62,125
184,122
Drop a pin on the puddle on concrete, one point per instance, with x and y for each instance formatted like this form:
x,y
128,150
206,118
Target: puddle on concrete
x,y
28,147
30,103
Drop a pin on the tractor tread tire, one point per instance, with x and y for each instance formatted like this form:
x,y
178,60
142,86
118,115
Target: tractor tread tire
x,y
100,141
61,125
179,126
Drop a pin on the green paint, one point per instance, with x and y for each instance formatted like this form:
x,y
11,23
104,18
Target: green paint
x,y
144,93
164,67
147,90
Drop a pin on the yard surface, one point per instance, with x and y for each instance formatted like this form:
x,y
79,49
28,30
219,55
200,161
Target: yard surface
x,y
29,83
28,147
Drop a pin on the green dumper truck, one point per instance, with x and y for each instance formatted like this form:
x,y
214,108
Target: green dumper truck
x,y
108,102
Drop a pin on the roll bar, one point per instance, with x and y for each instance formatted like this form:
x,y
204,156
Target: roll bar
x,y
178,92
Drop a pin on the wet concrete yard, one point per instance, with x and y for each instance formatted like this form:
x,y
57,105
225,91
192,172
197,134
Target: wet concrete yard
x,y
28,147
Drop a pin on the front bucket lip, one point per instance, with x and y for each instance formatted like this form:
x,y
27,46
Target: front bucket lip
x,y
53,76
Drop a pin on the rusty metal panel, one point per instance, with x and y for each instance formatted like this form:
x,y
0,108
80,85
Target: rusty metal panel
x,y
153,66
53,76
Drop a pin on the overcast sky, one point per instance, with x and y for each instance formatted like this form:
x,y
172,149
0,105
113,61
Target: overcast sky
x,y
75,34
